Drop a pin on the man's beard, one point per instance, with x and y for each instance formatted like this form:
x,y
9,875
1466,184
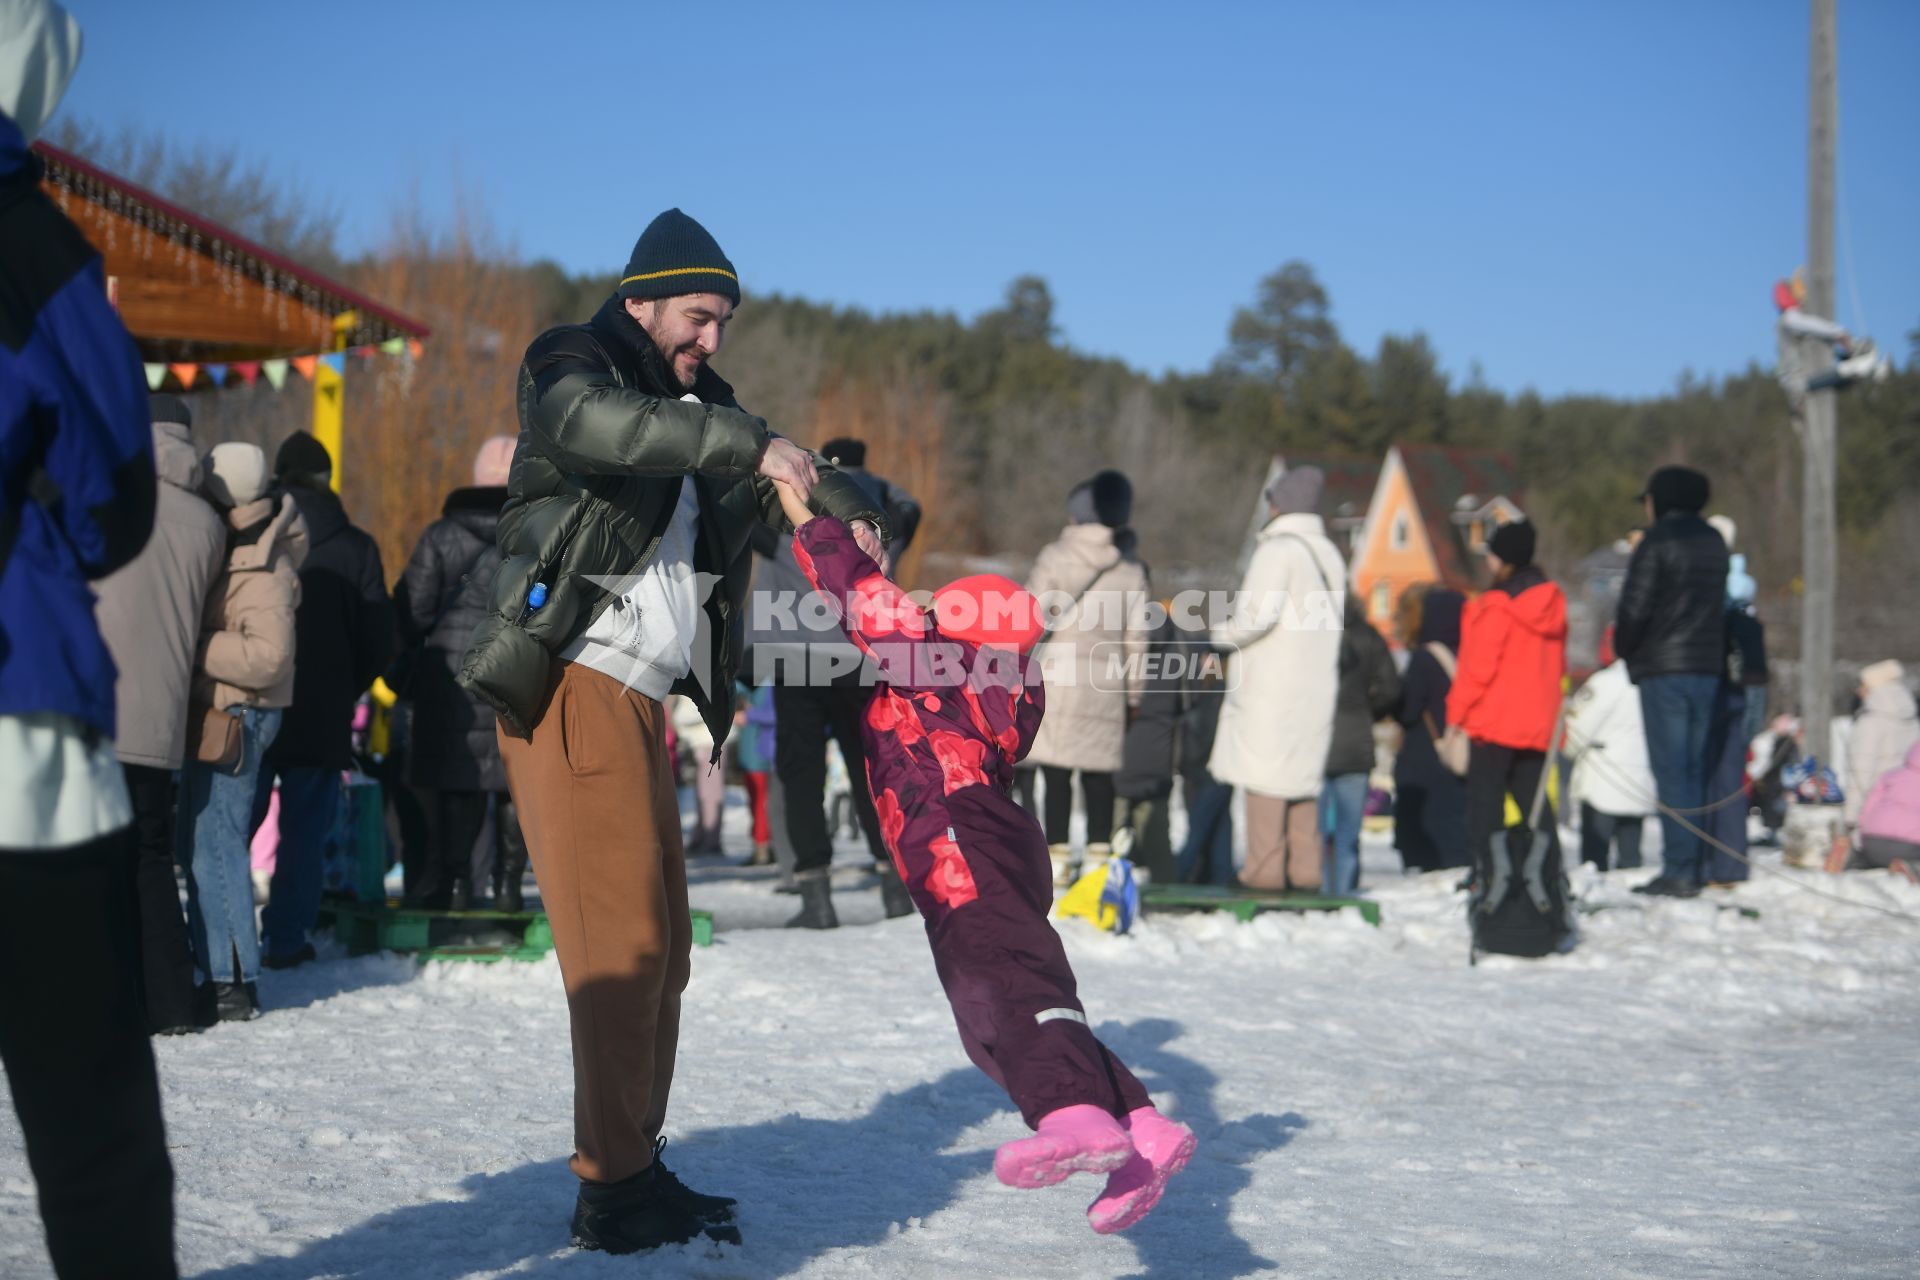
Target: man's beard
x,y
673,368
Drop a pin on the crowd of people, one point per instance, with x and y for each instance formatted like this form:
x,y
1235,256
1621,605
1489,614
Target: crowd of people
x,y
206,624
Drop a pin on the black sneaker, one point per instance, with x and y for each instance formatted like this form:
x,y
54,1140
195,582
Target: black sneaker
x,y
711,1208
1668,887
640,1213
294,961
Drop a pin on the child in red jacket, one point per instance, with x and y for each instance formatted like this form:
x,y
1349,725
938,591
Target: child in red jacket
x,y
1506,693
958,705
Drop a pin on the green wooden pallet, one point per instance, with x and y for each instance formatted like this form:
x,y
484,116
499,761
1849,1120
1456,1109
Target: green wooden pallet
x,y
1247,903
483,936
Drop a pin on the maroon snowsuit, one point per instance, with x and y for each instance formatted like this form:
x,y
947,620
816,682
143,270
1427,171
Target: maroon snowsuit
x,y
942,731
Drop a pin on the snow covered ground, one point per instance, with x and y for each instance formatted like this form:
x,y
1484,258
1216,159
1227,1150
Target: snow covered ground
x,y
1691,1093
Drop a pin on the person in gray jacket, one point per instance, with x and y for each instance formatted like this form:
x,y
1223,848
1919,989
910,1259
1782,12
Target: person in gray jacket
x,y
149,614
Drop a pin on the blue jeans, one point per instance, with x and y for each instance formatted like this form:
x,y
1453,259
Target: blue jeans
x,y
211,838
1678,711
309,811
1343,803
1209,831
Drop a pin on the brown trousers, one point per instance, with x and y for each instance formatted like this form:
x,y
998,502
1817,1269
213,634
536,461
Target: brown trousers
x,y
596,798
1283,843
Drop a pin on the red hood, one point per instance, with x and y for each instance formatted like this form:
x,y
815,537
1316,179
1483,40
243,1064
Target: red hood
x,y
1541,609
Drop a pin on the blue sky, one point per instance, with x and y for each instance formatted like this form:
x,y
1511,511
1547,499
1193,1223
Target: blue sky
x,y
1575,197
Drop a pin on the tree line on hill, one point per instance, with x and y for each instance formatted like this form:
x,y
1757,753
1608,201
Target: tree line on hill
x,y
991,420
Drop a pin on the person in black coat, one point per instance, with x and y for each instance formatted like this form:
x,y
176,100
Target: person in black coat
x,y
343,639
1430,800
453,754
1369,691
1672,631
1145,777
1207,856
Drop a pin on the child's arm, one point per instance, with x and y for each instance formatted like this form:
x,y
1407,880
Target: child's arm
x,y
872,609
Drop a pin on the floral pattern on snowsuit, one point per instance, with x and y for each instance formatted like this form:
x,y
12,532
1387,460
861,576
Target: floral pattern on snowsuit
x,y
943,731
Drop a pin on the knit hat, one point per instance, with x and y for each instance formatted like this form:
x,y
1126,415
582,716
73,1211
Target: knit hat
x,y
845,452
1677,489
494,461
1513,543
162,407
1879,673
301,455
234,474
989,611
1106,499
676,255
1297,492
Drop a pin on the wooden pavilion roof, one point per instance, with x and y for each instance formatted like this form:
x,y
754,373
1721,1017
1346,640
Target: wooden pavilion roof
x,y
189,289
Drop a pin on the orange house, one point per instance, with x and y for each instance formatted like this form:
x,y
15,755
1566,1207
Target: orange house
x,y
1431,512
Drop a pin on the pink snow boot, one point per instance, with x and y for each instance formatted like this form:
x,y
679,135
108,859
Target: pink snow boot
x,y
1162,1148
1082,1139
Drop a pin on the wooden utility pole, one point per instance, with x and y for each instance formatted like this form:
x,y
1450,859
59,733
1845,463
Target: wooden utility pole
x,y
1818,561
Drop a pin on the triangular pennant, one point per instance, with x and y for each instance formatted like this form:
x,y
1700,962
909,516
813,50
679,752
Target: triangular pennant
x,y
186,373
415,347
156,374
335,360
394,346
306,365
247,369
218,372
367,352
276,371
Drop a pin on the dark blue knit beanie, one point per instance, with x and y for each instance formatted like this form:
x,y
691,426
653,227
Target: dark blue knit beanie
x,y
676,255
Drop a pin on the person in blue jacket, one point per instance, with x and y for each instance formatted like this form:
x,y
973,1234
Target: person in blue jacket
x,y
77,495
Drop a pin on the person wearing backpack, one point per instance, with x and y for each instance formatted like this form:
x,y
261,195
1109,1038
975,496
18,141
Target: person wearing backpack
x,y
453,756
1429,799
1506,698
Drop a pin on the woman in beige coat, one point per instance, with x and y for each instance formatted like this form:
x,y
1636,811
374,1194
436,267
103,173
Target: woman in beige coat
x,y
243,666
1090,584
1282,679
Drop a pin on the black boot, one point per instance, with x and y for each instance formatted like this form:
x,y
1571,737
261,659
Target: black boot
x,y
894,898
816,902
711,1208
235,1002
641,1212
511,863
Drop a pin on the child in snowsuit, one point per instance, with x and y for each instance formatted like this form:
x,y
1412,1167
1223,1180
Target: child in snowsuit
x,y
952,714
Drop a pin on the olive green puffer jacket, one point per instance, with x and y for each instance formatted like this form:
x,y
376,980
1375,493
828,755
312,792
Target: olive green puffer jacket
x,y
604,442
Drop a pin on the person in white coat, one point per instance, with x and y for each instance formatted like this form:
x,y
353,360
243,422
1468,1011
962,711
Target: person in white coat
x,y
1612,777
1095,593
1282,679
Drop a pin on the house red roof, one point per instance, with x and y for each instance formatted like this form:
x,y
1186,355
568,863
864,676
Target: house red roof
x,y
1443,478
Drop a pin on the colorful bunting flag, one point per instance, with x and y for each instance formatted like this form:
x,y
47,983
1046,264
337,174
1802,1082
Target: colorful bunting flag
x,y
247,369
156,374
306,365
367,352
186,373
415,347
334,360
276,371
218,372
394,346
